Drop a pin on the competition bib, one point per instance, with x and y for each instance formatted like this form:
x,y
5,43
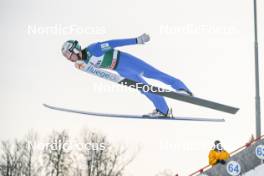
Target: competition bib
x,y
96,61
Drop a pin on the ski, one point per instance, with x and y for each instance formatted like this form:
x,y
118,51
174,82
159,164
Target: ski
x,y
180,97
132,116
159,91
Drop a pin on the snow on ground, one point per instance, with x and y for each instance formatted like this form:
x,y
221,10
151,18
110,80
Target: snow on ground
x,y
258,171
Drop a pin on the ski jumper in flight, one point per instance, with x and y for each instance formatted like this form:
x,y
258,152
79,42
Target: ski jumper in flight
x,y
104,55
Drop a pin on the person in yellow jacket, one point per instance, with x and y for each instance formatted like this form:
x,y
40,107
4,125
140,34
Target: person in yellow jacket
x,y
218,154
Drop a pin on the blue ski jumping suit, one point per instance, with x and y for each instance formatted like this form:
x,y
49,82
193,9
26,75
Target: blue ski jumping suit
x,y
104,55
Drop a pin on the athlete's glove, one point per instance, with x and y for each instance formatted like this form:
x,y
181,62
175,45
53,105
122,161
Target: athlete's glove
x,y
80,64
221,162
143,38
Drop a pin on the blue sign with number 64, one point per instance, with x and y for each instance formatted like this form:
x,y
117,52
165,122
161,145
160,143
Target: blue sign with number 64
x,y
233,168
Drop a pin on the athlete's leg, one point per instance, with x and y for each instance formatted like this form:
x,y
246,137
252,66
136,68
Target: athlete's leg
x,y
158,101
138,66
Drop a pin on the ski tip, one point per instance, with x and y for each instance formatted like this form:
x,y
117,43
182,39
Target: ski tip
x,y
46,105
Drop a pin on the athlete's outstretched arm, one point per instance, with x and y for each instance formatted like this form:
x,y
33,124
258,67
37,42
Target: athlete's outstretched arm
x,y
123,42
118,43
99,48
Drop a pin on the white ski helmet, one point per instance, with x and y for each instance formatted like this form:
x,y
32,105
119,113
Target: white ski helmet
x,y
218,145
69,47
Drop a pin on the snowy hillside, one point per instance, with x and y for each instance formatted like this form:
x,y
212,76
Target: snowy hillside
x,y
258,171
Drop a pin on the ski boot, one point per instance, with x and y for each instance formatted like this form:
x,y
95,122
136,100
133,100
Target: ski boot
x,y
157,113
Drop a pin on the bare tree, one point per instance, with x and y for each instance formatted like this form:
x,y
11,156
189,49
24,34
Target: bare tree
x,y
30,166
20,158
101,158
56,157
11,160
17,157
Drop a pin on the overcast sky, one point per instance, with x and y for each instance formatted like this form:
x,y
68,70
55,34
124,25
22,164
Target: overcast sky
x,y
207,44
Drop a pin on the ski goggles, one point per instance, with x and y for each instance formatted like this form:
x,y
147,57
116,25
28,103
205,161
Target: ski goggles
x,y
75,48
